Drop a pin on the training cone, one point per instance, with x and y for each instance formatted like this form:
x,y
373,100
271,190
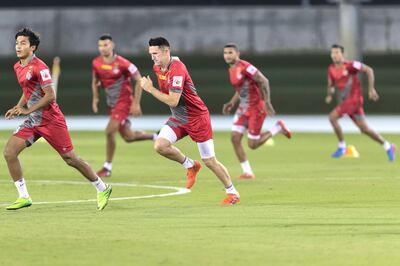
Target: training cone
x,y
351,152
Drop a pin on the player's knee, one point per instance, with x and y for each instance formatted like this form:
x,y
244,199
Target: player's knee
x,y
110,134
235,139
364,129
160,147
9,153
332,118
69,160
126,138
253,144
210,162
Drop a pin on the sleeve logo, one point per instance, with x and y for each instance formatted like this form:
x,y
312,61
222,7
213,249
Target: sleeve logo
x,y
357,65
45,73
251,69
177,81
132,68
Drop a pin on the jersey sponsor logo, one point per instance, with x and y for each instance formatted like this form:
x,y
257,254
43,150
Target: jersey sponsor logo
x,y
116,70
177,81
162,77
45,73
132,68
106,67
251,69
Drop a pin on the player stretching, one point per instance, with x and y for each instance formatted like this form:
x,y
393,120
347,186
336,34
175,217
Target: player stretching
x,y
190,116
44,119
253,91
342,75
114,73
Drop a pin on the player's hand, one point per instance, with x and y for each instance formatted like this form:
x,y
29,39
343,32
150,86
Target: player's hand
x,y
373,95
328,99
10,114
95,107
19,110
226,109
146,83
135,110
269,109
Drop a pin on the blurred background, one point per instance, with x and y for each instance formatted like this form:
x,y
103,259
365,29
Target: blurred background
x,y
288,40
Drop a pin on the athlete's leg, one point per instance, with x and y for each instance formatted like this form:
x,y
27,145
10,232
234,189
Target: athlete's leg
x,y
111,130
258,141
165,148
12,149
103,190
365,129
207,153
130,135
236,139
78,163
334,119
219,170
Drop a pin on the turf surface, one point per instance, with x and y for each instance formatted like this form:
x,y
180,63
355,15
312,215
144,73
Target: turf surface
x,y
304,208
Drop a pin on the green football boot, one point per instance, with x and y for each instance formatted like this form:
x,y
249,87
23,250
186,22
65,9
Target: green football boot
x,y
19,204
103,197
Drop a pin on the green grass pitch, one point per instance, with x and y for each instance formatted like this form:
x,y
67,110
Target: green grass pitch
x,y
304,208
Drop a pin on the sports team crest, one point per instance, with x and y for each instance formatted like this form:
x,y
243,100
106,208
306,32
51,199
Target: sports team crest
x,y
28,75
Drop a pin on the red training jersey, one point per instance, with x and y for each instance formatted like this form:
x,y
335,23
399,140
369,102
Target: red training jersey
x,y
33,77
241,76
346,81
115,78
177,79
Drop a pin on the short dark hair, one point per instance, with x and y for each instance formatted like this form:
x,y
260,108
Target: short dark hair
x,y
338,46
34,38
105,36
159,41
231,45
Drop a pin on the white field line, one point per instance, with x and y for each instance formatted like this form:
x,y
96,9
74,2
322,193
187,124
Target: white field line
x,y
178,191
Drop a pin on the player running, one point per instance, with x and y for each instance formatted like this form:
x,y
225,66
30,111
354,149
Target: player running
x,y
44,119
190,116
253,92
343,75
114,74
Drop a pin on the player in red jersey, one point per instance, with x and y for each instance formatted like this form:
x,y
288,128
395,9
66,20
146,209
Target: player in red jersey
x,y
43,119
252,91
343,75
114,73
190,117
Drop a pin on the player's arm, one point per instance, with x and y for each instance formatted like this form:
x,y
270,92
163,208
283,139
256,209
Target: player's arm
x,y
135,108
11,113
171,99
49,96
95,93
330,91
372,94
226,109
263,84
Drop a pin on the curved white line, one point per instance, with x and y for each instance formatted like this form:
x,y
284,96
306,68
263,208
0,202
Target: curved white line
x,y
179,191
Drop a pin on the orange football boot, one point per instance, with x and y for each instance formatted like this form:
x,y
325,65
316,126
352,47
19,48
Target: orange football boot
x,y
231,199
246,176
192,173
285,130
